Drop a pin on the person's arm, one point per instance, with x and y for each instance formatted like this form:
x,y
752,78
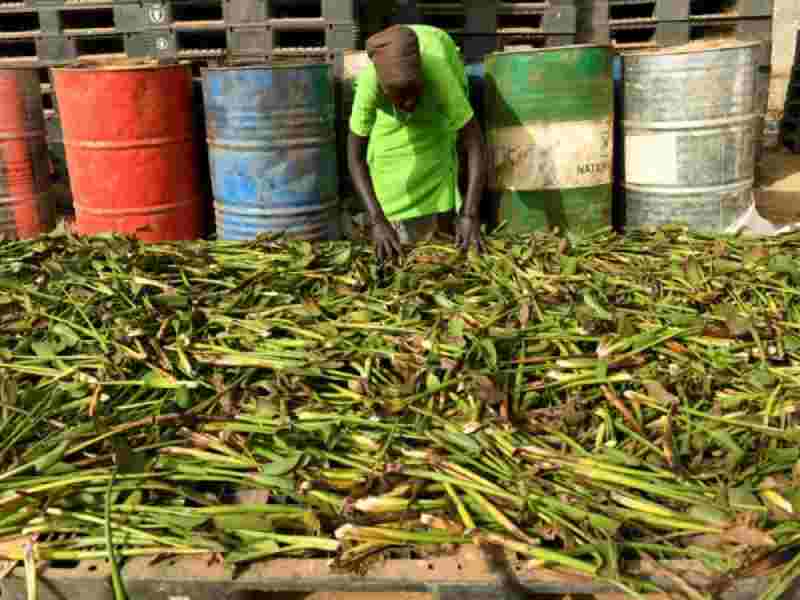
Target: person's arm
x,y
387,242
362,120
469,223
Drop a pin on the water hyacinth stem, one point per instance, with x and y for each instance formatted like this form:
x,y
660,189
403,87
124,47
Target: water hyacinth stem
x,y
574,399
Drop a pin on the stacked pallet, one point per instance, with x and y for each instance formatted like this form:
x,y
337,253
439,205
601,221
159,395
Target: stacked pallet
x,y
656,23
482,26
46,33
49,32
247,29
291,28
638,24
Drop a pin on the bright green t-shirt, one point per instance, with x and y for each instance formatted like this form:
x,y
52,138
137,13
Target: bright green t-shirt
x,y
412,158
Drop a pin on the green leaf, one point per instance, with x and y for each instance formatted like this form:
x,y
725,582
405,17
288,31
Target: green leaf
x,y
68,337
273,482
248,522
157,380
791,343
360,316
569,265
459,440
343,257
183,398
694,272
456,327
490,351
44,462
443,302
743,498
681,319
762,378
172,300
44,349
432,381
594,304
785,265
282,466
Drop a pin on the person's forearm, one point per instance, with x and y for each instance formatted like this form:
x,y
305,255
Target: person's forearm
x,y
359,173
476,169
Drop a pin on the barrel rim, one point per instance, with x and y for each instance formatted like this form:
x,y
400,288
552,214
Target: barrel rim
x,y
548,49
266,66
18,67
125,64
691,48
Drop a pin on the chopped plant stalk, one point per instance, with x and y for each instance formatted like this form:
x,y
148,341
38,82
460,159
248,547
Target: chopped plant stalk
x,y
582,402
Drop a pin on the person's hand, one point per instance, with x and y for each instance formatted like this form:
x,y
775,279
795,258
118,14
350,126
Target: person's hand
x,y
468,233
386,240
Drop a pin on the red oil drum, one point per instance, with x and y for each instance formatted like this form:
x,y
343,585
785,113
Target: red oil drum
x,y
131,149
24,169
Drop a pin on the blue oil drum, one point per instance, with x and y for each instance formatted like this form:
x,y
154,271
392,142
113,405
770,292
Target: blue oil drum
x,y
272,150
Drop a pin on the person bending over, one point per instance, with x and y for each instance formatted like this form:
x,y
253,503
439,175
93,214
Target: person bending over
x,y
410,113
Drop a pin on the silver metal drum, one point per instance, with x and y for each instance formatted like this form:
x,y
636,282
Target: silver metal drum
x,y
689,128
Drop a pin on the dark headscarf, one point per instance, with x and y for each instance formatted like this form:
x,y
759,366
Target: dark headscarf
x,y
396,56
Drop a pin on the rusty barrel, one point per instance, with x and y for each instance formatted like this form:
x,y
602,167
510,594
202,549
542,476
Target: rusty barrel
x,y
131,149
25,210
272,150
689,126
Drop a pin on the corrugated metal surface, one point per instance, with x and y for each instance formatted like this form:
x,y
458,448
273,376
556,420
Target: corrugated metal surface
x,y
550,118
272,150
24,167
689,128
131,149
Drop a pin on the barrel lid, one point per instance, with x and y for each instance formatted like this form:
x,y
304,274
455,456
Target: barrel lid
x,y
121,64
549,49
697,46
17,66
244,65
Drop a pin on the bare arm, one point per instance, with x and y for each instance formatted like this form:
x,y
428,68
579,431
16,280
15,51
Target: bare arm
x,y
359,172
472,141
387,242
469,224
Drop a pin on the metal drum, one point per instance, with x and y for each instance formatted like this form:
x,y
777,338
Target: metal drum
x,y
272,150
550,118
24,169
353,64
131,149
689,125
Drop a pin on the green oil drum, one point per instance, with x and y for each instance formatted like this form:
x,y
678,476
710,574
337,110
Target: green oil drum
x,y
550,115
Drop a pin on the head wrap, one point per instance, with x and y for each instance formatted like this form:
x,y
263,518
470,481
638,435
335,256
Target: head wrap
x,y
396,56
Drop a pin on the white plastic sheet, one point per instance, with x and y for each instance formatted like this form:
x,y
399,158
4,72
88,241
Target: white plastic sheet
x,y
752,223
